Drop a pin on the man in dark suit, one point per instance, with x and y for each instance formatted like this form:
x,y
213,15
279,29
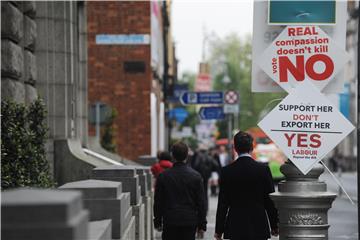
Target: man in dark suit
x,y
244,207
179,204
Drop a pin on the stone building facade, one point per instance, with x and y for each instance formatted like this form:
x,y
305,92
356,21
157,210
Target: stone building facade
x,y
18,62
44,53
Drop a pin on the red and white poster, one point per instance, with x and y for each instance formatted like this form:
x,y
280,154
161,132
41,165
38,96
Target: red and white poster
x,y
203,83
302,53
264,35
306,126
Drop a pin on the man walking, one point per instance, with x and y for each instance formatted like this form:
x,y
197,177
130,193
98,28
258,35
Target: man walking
x,y
244,206
179,205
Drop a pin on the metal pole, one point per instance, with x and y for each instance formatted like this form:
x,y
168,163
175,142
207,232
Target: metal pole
x,y
358,125
230,135
97,116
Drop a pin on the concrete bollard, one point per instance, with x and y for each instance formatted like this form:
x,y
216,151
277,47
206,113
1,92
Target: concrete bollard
x,y
146,160
150,183
35,214
130,182
146,199
303,202
105,200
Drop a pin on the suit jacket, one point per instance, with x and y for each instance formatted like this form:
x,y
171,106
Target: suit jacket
x,y
244,205
179,198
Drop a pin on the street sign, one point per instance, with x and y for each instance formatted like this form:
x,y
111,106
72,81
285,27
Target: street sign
x,y
210,113
178,89
122,39
203,82
302,12
302,53
264,34
202,98
231,108
306,126
231,97
180,114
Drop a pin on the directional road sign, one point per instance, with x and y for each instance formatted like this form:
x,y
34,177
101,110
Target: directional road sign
x,y
202,98
210,113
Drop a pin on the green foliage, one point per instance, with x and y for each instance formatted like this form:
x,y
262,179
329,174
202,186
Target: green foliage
x,y
189,78
275,169
232,56
107,138
23,136
191,142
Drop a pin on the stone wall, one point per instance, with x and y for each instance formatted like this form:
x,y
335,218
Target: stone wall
x,y
61,52
18,62
89,209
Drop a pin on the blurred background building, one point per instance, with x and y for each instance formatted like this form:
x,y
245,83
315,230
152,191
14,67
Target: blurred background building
x,y
74,54
131,69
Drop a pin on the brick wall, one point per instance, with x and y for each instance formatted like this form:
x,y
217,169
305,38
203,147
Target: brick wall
x,y
129,93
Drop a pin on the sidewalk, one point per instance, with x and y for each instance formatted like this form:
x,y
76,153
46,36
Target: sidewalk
x,y
347,179
209,235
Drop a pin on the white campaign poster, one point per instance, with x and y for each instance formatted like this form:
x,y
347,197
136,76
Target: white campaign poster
x,y
264,35
305,126
302,53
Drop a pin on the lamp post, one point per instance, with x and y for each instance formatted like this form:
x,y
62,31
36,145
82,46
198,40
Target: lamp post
x,y
226,80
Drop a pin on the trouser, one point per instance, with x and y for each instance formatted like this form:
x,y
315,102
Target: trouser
x,y
206,184
179,232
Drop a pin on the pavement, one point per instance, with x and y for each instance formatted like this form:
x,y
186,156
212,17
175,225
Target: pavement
x,y
342,216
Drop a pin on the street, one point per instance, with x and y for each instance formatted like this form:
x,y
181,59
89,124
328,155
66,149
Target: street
x,y
342,216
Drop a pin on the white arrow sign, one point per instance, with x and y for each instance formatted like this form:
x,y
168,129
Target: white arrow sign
x,y
306,126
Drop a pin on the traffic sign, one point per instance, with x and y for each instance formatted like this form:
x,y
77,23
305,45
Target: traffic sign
x,y
202,98
231,97
300,54
203,82
306,126
210,113
180,114
231,108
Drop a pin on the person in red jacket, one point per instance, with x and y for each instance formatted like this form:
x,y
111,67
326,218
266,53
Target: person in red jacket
x,y
163,164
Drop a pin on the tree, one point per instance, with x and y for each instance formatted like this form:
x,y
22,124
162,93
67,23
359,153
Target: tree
x,y
23,136
231,56
107,138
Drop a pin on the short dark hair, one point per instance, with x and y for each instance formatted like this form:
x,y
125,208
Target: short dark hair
x,y
179,151
164,155
243,142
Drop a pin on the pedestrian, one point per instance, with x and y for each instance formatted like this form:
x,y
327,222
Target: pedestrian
x,y
214,179
224,157
164,163
204,164
244,206
179,205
